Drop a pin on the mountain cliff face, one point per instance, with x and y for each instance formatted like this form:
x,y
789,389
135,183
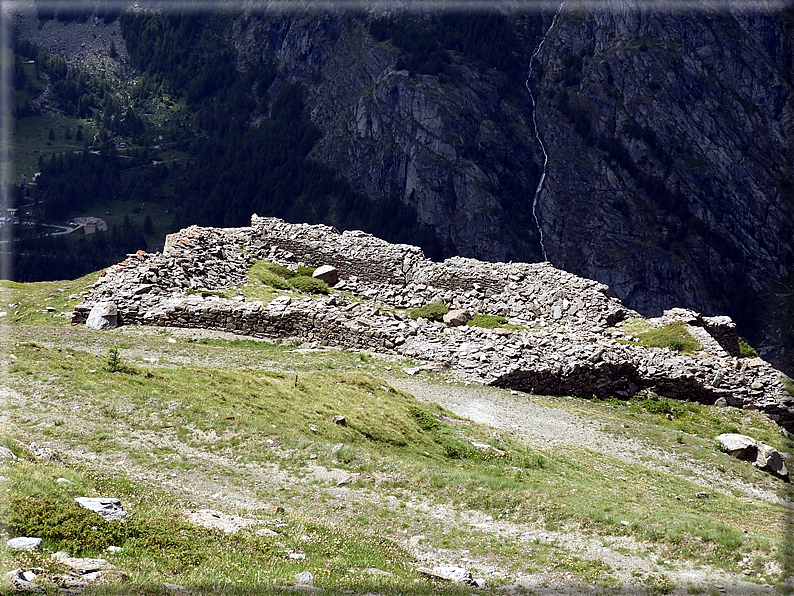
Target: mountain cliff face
x,y
670,141
669,137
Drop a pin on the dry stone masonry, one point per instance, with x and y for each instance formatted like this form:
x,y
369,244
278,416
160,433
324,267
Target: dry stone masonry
x,y
569,339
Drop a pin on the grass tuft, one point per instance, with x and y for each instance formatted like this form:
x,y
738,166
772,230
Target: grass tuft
x,y
673,336
432,312
746,350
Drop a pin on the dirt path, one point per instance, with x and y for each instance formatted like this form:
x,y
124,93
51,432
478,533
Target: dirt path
x,y
544,427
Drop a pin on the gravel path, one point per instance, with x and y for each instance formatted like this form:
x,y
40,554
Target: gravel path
x,y
544,427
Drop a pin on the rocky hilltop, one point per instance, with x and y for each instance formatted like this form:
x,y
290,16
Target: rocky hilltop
x,y
566,335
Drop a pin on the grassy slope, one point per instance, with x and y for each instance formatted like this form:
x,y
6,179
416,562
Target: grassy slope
x,y
246,426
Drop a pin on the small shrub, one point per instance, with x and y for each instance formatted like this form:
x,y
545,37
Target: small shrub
x,y
268,278
432,312
217,293
309,285
789,385
746,350
487,321
280,270
673,336
456,449
115,364
307,271
78,530
425,419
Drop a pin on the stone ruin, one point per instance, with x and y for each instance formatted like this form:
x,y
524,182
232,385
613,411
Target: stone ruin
x,y
570,339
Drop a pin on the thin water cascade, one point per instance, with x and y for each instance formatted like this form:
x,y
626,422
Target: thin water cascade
x,y
537,132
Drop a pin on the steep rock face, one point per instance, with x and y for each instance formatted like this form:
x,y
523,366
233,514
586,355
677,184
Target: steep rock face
x,y
672,135
441,143
670,140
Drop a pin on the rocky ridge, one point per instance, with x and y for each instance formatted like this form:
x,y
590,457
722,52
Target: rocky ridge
x,y
566,337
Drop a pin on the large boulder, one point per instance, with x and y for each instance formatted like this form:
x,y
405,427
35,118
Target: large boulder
x,y
763,456
770,460
103,315
327,273
456,318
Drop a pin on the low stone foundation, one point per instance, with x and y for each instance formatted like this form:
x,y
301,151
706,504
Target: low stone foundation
x,y
565,347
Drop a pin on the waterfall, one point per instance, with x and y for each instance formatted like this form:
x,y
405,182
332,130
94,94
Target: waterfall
x,y
537,132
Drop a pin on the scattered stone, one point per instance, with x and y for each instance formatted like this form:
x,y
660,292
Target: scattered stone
x,y
63,480
488,449
45,453
81,566
340,420
414,370
6,454
77,583
108,508
449,573
114,549
24,543
176,589
327,273
304,577
702,495
210,518
296,556
103,315
721,402
15,582
266,532
376,571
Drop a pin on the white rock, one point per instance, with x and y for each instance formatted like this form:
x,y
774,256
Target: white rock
x,y
327,273
108,508
24,543
103,315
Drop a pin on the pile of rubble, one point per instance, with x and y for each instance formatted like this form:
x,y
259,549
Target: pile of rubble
x,y
564,337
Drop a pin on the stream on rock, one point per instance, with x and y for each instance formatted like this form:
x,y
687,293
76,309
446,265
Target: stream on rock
x,y
537,132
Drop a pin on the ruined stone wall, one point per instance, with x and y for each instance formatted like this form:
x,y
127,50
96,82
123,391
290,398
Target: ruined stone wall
x,y
567,345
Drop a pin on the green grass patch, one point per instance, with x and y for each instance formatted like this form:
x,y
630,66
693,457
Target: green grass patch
x,y
487,321
432,312
492,322
309,285
673,336
31,141
27,303
161,545
265,278
746,350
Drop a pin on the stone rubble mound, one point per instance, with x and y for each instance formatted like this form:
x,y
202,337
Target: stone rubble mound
x,y
562,340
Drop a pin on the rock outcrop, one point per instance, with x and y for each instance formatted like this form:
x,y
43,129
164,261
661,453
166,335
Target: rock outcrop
x,y
565,336
763,456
